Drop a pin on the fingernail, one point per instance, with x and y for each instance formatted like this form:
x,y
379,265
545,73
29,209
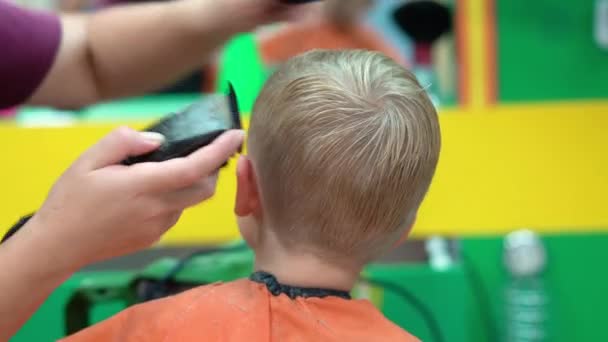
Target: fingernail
x,y
153,137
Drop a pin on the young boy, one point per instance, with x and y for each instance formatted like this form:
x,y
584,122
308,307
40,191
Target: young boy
x,y
342,149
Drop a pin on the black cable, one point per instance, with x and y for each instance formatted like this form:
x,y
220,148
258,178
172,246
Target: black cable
x,y
409,297
174,271
483,298
155,289
15,228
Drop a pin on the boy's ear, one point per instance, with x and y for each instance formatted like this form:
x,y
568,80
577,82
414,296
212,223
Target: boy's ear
x,y
247,195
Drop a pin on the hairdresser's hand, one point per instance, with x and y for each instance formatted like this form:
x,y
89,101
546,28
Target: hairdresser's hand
x,y
99,209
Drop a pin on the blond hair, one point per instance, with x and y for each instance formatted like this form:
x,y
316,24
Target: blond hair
x,y
344,145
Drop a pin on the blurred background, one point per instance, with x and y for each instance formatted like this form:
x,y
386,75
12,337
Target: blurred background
x,y
511,241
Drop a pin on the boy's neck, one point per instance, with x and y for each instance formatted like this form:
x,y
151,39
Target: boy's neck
x,y
306,270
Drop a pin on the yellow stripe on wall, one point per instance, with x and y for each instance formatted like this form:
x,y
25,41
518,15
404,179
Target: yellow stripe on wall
x,y
538,166
542,166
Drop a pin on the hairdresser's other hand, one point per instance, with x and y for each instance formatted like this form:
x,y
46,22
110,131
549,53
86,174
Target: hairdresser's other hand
x,y
99,209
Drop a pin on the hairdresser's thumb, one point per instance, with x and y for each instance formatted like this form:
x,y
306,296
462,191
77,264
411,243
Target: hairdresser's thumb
x,y
120,144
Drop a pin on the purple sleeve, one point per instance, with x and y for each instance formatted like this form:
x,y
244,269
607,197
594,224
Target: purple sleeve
x,y
29,41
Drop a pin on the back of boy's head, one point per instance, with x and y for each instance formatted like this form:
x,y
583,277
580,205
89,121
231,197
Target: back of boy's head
x,y
344,146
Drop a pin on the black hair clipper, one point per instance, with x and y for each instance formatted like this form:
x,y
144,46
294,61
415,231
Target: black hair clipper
x,y
196,126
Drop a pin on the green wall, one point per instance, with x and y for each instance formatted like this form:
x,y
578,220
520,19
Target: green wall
x,y
546,51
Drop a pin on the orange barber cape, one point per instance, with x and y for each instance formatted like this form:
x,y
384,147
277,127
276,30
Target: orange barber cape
x,y
246,311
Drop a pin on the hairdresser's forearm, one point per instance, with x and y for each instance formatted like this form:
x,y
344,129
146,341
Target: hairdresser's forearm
x,y
140,48
129,50
32,267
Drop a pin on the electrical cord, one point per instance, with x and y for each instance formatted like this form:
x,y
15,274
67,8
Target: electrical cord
x,y
15,228
408,296
150,289
174,271
483,298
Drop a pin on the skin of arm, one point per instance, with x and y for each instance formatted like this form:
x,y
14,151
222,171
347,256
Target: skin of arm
x,y
31,273
128,50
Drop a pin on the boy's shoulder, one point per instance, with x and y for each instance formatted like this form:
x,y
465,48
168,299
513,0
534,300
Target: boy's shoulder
x,y
200,309
373,325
